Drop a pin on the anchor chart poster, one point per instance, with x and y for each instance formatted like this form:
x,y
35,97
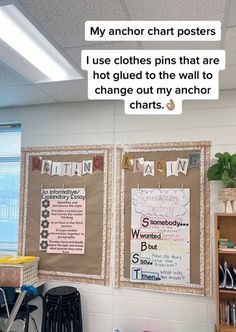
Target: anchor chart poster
x,y
160,236
62,228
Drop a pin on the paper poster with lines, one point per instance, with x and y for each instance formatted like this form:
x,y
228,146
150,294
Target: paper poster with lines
x,y
160,236
62,220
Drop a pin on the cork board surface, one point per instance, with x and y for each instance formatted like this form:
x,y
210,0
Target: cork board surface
x,y
94,264
199,235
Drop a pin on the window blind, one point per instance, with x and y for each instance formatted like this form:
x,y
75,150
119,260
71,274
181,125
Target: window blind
x,y
10,146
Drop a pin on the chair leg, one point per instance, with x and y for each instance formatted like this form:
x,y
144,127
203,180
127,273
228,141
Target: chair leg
x,y
2,324
44,315
34,323
23,323
26,329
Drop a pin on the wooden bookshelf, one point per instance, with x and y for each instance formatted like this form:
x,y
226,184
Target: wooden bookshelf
x,y
227,251
227,291
227,328
227,228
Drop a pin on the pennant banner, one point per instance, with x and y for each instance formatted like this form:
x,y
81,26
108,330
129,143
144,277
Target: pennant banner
x,y
161,167
68,168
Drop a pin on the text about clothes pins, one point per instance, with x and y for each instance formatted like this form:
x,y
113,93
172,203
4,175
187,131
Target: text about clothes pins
x,y
153,81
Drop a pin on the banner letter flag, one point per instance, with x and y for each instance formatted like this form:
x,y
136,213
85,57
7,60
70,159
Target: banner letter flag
x,y
127,162
46,167
76,169
194,160
171,168
66,169
98,163
148,168
138,164
87,167
182,165
36,163
161,167
56,168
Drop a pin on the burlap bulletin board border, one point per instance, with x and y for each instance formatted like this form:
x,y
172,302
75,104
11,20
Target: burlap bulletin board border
x,y
200,279
93,266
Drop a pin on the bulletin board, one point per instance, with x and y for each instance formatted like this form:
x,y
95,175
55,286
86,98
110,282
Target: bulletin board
x,y
89,262
194,182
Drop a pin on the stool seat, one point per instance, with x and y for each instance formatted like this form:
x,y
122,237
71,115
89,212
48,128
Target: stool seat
x,y
62,291
62,310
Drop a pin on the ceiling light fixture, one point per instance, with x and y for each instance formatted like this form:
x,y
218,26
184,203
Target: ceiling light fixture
x,y
22,44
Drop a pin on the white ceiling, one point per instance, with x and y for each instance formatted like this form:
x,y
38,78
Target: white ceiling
x,y
63,21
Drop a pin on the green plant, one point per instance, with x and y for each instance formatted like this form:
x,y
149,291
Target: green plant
x,y
224,169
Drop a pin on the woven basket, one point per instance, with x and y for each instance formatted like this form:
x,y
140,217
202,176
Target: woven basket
x,y
20,274
227,194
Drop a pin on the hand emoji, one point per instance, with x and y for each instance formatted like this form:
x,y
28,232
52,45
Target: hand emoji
x,y
170,105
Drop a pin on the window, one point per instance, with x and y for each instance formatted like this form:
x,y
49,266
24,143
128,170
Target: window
x,y
10,144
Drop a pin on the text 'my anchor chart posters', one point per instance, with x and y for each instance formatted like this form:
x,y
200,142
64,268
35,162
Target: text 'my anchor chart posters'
x,y
153,81
160,236
62,228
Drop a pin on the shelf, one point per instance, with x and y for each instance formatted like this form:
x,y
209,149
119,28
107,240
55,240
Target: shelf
x,y
222,214
227,291
227,250
225,214
226,222
224,328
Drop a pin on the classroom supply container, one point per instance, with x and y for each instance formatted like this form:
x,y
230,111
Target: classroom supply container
x,y
16,271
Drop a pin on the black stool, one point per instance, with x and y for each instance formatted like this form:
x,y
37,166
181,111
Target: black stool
x,y
62,310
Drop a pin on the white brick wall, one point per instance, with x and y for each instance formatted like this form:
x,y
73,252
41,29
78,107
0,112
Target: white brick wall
x,y
106,308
